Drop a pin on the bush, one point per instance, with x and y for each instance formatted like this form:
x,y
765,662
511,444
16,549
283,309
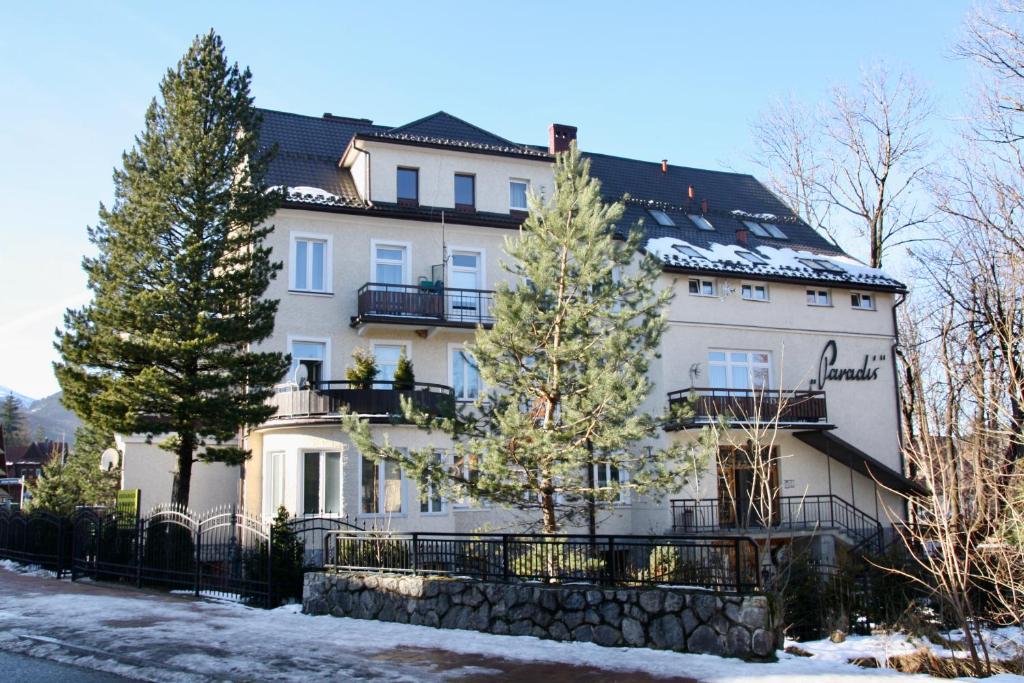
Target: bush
x,y
363,370
556,561
405,376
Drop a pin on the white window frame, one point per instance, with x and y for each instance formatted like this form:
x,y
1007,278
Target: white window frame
x,y
728,364
429,495
816,291
466,502
481,254
753,287
406,263
700,286
623,478
523,181
381,482
860,297
326,341
272,485
405,344
459,346
300,507
293,256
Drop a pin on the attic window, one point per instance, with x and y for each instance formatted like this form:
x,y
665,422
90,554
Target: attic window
x,y
821,265
662,218
774,231
687,250
756,228
701,222
753,258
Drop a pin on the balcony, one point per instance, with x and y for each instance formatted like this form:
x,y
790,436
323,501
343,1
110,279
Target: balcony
x,y
423,305
381,402
783,408
788,514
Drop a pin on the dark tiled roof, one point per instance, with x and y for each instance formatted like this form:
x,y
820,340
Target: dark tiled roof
x,y
311,147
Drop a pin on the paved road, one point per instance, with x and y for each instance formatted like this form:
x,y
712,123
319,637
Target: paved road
x,y
19,669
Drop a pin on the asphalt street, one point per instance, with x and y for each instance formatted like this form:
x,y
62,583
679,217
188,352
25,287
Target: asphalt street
x,y
21,669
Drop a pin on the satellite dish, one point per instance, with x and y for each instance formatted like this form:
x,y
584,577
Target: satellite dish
x,y
301,376
110,459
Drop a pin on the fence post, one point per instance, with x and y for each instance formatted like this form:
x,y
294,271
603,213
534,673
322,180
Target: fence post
x,y
415,553
611,560
739,562
140,547
504,558
270,567
60,547
198,574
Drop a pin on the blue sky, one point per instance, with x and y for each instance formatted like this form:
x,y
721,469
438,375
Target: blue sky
x,y
676,80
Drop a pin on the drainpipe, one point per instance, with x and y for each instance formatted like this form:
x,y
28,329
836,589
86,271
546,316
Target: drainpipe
x,y
896,390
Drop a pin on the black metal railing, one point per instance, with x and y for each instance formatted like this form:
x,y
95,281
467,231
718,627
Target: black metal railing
x,y
381,400
40,538
766,406
788,513
424,304
723,563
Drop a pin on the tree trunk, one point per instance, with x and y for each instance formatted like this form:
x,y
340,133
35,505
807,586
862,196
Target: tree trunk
x,y
547,505
183,477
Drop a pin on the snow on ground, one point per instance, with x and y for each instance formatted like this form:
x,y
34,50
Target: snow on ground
x,y
159,637
27,569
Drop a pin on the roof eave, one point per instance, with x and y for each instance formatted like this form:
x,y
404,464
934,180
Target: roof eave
x,y
546,158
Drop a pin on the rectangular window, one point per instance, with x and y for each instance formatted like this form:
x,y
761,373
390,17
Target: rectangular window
x,y
465,376
739,369
687,250
408,185
701,222
661,218
431,501
821,265
387,356
699,287
465,191
774,231
467,466
380,486
752,257
756,228
309,360
321,482
465,279
754,292
310,267
517,193
865,302
273,473
818,297
389,264
605,473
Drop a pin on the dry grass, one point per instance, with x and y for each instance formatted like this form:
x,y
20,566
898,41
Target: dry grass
x,y
924,661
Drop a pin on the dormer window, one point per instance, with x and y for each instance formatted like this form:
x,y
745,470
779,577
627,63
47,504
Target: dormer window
x,y
821,265
774,231
687,250
756,228
701,222
661,218
408,186
752,257
517,192
465,192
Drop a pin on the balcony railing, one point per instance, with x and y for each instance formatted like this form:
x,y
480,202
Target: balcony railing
x,y
764,406
380,401
424,305
788,513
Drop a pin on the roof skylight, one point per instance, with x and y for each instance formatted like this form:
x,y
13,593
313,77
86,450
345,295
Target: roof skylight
x,y
821,265
701,222
756,228
752,257
688,250
661,218
774,231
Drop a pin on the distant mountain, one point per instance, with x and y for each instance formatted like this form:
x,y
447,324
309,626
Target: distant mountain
x,y
57,422
25,400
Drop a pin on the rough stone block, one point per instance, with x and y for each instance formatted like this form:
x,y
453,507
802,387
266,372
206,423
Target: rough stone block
x,y
558,631
738,642
594,597
611,613
572,619
762,643
652,601
705,640
667,633
674,602
704,605
591,617
583,634
548,600
521,628
573,600
633,632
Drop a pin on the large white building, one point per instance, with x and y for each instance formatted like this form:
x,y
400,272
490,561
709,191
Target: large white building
x,y
391,239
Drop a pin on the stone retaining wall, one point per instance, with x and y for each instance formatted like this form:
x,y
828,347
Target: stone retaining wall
x,y
685,620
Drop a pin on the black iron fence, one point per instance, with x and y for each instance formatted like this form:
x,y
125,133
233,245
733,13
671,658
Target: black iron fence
x,y
724,563
789,513
226,551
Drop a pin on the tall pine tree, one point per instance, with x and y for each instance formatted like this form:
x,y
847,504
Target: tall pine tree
x,y
13,420
165,345
566,367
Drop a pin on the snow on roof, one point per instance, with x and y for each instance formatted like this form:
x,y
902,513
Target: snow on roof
x,y
315,195
782,262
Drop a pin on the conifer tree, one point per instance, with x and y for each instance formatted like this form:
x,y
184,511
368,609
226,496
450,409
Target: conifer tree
x,y
13,420
165,345
77,479
565,365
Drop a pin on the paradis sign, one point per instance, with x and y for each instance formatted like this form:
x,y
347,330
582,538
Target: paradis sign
x,y
827,369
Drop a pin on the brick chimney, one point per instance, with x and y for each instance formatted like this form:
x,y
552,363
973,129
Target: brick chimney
x,y
664,165
741,237
560,136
